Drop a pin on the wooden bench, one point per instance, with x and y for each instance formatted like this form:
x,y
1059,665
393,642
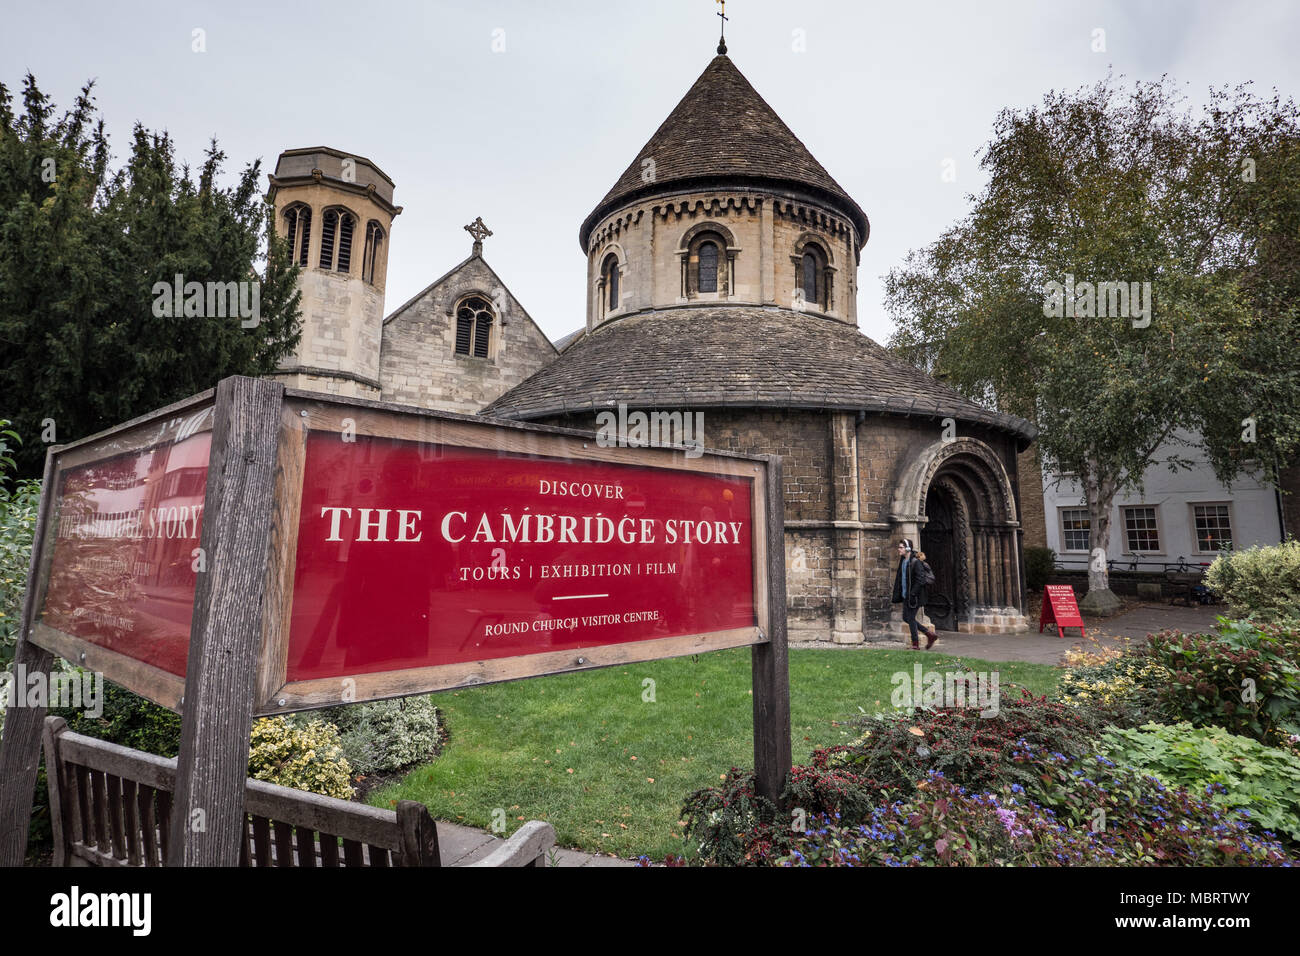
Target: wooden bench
x,y
111,806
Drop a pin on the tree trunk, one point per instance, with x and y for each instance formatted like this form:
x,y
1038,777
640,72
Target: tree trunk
x,y
1100,491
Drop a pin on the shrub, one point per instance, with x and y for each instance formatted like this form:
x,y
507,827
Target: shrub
x,y
1039,565
1244,679
305,758
1124,688
1265,781
128,720
975,751
19,502
1262,583
731,825
386,735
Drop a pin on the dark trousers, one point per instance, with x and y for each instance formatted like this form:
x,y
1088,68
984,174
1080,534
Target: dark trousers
x,y
909,615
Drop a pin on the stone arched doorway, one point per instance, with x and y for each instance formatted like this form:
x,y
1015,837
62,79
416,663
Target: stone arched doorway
x,y
945,551
956,499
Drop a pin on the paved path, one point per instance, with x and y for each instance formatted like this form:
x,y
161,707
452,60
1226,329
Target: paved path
x,y
1047,648
460,845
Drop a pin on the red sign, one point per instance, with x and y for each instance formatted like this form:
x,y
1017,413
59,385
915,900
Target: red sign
x,y
1060,608
416,555
124,536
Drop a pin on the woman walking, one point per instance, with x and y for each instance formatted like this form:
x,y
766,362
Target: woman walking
x,y
909,590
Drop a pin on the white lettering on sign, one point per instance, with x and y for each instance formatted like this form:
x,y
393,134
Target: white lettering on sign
x,y
378,525
579,489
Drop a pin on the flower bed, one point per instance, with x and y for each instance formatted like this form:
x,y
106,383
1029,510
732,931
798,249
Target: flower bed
x,y
1051,782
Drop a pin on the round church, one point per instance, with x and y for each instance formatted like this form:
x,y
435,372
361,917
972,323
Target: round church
x,y
721,289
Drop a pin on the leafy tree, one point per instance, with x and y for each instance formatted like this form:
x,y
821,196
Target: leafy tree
x,y
1098,186
82,247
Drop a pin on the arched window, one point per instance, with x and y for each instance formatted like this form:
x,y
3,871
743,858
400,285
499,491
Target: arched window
x,y
482,333
370,255
708,254
811,267
298,219
329,225
336,224
345,243
474,327
813,282
610,272
708,260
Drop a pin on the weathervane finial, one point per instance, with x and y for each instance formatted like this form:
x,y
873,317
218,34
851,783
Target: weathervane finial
x,y
479,232
722,39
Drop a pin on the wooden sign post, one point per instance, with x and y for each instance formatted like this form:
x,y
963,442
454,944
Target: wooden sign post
x,y
1060,608
256,550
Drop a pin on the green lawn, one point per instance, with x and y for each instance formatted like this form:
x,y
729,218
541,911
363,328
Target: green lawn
x,y
609,769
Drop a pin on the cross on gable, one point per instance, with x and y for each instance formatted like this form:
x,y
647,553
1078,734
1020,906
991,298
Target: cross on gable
x,y
479,231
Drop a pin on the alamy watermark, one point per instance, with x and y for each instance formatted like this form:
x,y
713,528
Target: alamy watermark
x,y
935,689
624,429
80,689
211,300
1084,300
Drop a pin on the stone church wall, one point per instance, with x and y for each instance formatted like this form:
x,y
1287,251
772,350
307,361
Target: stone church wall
x,y
418,361
840,476
765,234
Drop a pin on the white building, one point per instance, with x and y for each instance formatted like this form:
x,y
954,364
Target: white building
x,y
1183,515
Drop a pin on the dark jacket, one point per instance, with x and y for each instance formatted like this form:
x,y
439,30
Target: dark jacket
x,y
916,592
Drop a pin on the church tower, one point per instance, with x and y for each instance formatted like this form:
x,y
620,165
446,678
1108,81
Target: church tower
x,y
722,207
722,281
336,211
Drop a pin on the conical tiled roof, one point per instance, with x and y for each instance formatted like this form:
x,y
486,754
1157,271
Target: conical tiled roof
x,y
722,131
737,356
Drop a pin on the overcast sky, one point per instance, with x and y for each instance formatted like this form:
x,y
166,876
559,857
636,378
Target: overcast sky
x,y
530,137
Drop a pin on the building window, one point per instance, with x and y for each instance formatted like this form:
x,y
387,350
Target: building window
x,y
610,273
1075,525
1140,531
370,254
345,243
810,269
337,225
708,260
329,223
708,255
1213,527
298,219
473,327
813,282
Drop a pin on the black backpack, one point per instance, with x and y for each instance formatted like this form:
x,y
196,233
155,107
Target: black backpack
x,y
926,574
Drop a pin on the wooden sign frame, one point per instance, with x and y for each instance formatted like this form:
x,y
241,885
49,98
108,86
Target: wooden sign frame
x,y
236,668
